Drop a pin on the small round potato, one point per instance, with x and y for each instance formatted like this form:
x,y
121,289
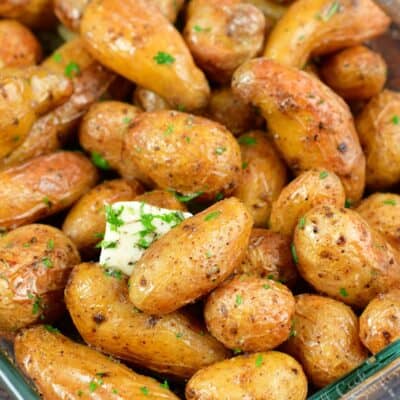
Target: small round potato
x,y
250,313
309,189
35,264
325,339
380,321
271,375
162,199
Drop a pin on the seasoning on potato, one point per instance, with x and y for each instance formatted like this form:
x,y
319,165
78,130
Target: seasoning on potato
x,y
164,199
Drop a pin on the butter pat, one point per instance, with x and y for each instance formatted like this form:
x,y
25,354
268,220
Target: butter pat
x,y
131,227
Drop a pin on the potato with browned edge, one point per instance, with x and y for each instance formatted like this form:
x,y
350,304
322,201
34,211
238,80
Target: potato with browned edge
x,y
250,313
174,344
153,53
202,251
36,261
380,321
43,186
311,125
325,339
378,126
40,351
162,199
148,100
339,254
270,375
309,189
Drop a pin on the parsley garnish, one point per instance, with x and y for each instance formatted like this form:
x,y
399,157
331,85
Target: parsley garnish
x,y
302,222
391,202
259,360
266,286
185,198
208,254
293,332
50,244
238,300
113,217
57,57
46,201
163,58
332,10
347,203
144,390
51,329
98,235
165,384
396,119
247,140
47,262
37,305
219,196
343,292
126,120
198,28
212,215
237,351
169,130
106,244
114,273
323,175
220,150
99,161
179,335
244,165
294,253
72,70
143,243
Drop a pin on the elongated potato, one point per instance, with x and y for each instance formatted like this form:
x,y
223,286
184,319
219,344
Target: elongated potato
x,y
162,199
311,125
35,264
308,190
270,375
85,373
202,251
271,9
173,344
314,27
169,8
222,34
378,126
148,100
325,339
135,40
43,186
339,254
263,176
380,321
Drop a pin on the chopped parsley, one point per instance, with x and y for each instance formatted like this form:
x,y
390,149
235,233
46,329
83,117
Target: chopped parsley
x,y
106,244
247,140
219,196
169,130
163,58
72,69
186,198
99,161
79,393
143,243
187,138
323,175
180,107
47,262
144,390
26,245
396,119
51,329
265,286
179,335
46,201
302,223
244,165
238,300
294,253
347,203
127,120
50,244
199,29
113,217
114,273
57,57
212,215
333,9
115,391
293,332
220,150
208,254
390,202
99,235
165,384
343,292
37,305
259,360
237,351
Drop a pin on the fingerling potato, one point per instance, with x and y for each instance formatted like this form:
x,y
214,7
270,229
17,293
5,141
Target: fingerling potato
x,y
148,100
37,14
162,199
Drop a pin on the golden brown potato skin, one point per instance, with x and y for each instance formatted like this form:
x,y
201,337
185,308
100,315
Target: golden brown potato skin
x,y
268,256
269,375
315,27
169,8
202,251
355,73
222,34
325,339
308,190
382,212
311,125
43,186
35,264
86,220
341,255
69,12
263,176
250,313
380,137
380,321
162,199
148,100
63,369
100,308
134,39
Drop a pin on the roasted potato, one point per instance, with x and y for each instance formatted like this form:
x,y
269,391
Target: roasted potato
x,y
135,40
309,189
36,261
43,186
174,344
222,34
355,73
325,339
41,351
378,126
339,254
272,10
271,375
86,221
268,256
148,100
263,176
162,199
169,8
311,126
380,321
202,251
315,27
250,313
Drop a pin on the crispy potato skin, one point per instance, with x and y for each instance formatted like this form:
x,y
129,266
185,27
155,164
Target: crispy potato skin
x,y
40,354
341,255
148,100
100,308
220,235
263,176
87,217
355,73
128,38
183,152
222,34
268,256
379,136
326,341
250,313
30,291
43,186
308,190
380,321
382,212
299,34
279,377
311,125
69,12
162,199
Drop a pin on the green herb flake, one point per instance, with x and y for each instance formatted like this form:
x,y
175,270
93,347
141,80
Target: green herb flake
x,y
188,197
99,235
220,150
293,332
47,262
164,385
144,390
259,360
266,286
238,300
51,329
72,69
126,120
179,335
99,161
302,223
390,202
323,175
115,391
212,215
333,9
50,244
208,254
143,243
106,244
79,393
26,245
57,57
294,253
247,140
181,107
219,196
199,29
347,203
343,292
113,273
187,138
244,165
163,58
113,217
93,385
396,119
37,306
169,130
237,351
47,201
